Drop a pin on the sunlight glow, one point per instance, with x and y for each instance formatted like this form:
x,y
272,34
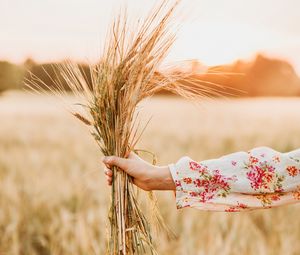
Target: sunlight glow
x,y
215,32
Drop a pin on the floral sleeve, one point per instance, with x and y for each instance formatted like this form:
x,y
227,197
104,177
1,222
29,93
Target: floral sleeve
x,y
259,178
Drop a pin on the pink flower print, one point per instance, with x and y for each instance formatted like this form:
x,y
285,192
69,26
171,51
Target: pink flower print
x,y
211,185
187,180
293,171
265,179
263,176
237,208
268,199
253,160
242,206
296,193
177,183
193,194
275,197
194,166
198,167
276,159
234,163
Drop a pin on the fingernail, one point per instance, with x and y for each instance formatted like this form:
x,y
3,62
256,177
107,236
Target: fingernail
x,y
104,159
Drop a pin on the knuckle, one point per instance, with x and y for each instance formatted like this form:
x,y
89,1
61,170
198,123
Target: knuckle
x,y
106,159
112,159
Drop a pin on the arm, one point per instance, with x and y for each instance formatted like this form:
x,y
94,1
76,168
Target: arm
x,y
259,178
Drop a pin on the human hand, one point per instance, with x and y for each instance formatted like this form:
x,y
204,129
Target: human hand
x,y
145,176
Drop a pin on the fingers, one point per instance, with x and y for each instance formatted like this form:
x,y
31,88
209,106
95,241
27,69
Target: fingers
x,y
116,161
108,174
128,165
110,161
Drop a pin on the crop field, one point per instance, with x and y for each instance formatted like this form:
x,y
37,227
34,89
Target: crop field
x,y
53,194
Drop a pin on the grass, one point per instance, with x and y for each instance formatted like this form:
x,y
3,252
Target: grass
x,y
53,195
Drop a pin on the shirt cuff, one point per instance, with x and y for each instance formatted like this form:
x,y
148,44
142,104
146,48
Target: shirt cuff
x,y
180,194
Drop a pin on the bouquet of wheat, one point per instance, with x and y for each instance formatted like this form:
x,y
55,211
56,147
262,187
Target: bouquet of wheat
x,y
127,74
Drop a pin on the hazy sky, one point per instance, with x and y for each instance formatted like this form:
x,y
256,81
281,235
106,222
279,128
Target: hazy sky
x,y
213,31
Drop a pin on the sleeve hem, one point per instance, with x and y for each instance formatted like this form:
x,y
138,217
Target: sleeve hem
x,y
174,174
178,187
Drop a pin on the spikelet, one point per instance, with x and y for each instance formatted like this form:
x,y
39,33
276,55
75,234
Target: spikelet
x,y
127,74
82,119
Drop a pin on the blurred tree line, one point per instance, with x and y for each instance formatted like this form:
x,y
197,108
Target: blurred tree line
x,y
14,76
11,76
261,76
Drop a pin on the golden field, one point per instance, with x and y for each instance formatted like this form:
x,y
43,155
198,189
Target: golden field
x,y
54,198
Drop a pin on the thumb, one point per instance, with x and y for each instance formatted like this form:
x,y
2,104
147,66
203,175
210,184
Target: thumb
x,y
116,161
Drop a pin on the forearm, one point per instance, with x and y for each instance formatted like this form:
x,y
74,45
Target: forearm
x,y
163,179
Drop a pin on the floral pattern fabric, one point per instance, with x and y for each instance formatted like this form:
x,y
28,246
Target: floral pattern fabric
x,y
259,178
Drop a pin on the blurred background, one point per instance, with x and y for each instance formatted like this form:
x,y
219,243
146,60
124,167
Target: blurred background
x,y
53,197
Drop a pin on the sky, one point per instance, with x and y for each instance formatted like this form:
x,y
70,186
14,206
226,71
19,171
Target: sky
x,y
211,31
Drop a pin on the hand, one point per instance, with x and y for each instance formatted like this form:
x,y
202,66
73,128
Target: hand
x,y
145,176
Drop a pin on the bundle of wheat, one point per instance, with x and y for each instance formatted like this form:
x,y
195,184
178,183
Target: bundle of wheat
x,y
126,74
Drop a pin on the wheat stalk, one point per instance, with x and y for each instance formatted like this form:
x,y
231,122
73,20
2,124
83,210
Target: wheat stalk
x,y
127,73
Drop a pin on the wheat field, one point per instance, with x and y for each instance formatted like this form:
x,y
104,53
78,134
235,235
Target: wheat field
x,y
54,198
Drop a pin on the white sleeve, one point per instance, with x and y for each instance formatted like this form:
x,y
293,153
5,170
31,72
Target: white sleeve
x,y
259,178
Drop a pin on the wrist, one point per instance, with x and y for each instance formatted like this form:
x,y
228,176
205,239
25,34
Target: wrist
x,y
164,179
